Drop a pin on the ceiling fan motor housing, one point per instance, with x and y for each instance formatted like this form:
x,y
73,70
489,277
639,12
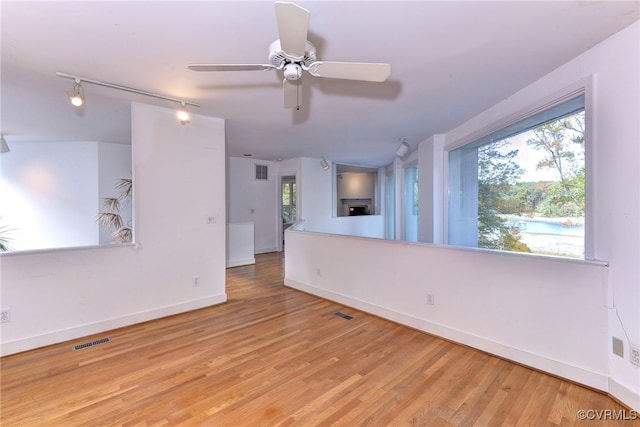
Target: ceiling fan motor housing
x,y
279,58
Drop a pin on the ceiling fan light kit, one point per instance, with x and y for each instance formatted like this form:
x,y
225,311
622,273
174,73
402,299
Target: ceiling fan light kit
x,y
293,54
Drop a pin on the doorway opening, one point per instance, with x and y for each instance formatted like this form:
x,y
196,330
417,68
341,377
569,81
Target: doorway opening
x,y
288,201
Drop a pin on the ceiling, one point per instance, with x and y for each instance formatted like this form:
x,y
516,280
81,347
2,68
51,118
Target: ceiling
x,y
450,60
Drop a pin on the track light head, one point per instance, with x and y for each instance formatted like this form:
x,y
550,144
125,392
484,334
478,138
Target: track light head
x,y
183,114
404,148
76,97
324,164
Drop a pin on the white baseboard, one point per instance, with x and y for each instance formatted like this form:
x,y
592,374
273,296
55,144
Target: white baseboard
x,y
624,395
55,337
239,262
582,376
265,250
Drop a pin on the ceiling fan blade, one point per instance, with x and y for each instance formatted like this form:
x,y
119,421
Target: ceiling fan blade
x,y
230,67
292,93
293,25
368,72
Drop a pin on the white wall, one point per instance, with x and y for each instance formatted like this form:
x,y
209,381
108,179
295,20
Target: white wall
x,y
357,185
48,203
316,195
614,67
50,191
251,200
555,315
257,201
431,170
240,247
542,312
179,180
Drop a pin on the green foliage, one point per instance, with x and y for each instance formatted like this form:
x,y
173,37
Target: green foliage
x,y
497,176
289,212
529,195
500,193
555,139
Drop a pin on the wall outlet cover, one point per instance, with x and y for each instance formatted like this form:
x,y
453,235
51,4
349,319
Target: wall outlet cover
x,y
618,347
431,298
635,355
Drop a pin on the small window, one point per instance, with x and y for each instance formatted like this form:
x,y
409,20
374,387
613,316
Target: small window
x,y
522,188
262,172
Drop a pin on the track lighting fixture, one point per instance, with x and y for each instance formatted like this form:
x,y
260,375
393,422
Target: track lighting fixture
x,y
324,164
404,147
4,147
183,114
77,96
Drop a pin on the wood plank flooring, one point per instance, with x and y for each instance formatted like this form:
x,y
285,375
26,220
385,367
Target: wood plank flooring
x,y
273,356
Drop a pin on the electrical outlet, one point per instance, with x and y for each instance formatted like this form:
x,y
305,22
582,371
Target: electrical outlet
x,y
196,281
431,298
211,219
635,355
5,315
618,347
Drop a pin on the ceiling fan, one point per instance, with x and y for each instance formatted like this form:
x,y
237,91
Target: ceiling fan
x,y
293,53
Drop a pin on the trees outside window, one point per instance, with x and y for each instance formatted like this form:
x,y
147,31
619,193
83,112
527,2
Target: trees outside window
x,y
529,192
289,213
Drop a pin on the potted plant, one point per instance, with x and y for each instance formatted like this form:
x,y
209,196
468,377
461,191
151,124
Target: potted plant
x,y
111,219
5,238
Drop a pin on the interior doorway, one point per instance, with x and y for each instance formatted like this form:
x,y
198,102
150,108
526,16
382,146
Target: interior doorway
x,y
288,201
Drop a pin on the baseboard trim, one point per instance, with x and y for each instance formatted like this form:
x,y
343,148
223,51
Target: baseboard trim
x,y
239,262
560,369
56,337
624,395
265,250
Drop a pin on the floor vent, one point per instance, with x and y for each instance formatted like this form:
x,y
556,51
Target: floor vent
x,y
344,316
90,344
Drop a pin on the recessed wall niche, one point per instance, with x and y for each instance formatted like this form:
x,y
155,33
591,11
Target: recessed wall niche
x,y
356,190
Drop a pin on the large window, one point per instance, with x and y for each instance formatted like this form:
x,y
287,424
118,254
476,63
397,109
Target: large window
x,y
522,188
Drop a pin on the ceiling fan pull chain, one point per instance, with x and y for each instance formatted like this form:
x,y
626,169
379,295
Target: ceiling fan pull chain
x,y
298,89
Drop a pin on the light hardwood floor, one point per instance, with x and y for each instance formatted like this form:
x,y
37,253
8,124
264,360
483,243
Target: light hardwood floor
x,y
275,356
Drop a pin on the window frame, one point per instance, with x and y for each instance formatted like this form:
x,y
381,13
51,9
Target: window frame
x,y
410,200
583,87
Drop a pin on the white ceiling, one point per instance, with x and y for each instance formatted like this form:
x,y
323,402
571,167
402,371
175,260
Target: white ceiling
x,y
450,60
